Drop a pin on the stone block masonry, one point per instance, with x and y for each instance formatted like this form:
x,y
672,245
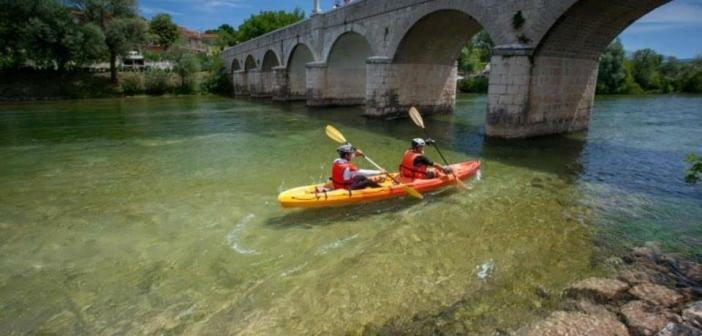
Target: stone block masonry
x,y
389,55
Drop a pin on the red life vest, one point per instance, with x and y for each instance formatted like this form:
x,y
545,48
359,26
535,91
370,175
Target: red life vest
x,y
407,167
338,169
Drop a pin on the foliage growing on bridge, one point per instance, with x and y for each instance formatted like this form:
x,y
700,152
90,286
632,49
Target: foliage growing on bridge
x,y
267,21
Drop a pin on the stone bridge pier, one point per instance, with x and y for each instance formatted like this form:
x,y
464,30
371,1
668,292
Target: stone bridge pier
x,y
389,55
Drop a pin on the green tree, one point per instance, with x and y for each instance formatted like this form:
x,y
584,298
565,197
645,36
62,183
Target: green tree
x,y
612,73
164,29
118,20
630,85
672,71
186,64
475,55
44,32
122,35
691,79
646,65
226,36
267,21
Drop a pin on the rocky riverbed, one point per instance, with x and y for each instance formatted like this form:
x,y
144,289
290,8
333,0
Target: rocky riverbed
x,y
651,294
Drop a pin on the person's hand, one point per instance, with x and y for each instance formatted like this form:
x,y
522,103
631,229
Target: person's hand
x,y
446,169
430,141
383,172
359,153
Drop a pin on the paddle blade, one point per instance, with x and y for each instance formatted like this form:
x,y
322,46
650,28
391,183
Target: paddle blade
x,y
416,117
412,192
461,185
334,134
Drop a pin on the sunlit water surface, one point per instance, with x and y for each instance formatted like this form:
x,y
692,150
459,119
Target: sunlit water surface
x,y
159,216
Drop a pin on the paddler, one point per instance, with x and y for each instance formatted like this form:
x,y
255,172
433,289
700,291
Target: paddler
x,y
345,175
416,165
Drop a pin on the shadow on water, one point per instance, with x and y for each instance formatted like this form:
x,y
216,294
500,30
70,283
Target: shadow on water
x,y
310,218
570,157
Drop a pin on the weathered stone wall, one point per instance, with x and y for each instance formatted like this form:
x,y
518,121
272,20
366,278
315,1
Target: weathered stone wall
x,y
297,73
544,66
393,88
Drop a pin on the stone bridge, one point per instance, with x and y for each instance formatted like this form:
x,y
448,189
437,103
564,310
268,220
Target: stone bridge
x,y
389,55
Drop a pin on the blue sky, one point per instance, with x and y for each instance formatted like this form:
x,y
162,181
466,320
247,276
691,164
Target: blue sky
x,y
674,29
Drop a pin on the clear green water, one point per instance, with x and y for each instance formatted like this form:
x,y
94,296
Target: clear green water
x,y
159,216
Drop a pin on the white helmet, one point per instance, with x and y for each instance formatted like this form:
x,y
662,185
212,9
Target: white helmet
x,y
418,142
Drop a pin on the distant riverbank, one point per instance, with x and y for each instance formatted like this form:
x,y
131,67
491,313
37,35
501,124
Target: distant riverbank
x,y
53,85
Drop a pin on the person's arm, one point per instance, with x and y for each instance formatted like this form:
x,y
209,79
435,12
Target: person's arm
x,y
423,160
369,172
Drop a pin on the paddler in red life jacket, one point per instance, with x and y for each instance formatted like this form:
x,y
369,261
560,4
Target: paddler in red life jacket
x,y
416,165
345,175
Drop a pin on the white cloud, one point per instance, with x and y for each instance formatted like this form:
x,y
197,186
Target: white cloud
x,y
674,15
675,12
150,11
224,3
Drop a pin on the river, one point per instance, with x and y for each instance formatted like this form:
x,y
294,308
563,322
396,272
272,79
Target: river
x,y
159,216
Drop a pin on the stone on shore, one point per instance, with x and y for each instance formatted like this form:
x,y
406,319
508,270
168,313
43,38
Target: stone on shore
x,y
634,276
656,294
577,324
693,314
692,271
644,319
598,289
591,308
677,329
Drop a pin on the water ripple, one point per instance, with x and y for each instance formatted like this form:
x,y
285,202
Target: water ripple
x,y
233,236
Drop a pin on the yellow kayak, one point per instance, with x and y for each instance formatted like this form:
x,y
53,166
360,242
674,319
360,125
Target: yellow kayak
x,y
323,195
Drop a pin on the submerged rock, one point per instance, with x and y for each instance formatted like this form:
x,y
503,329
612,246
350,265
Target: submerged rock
x,y
645,319
563,323
656,294
597,289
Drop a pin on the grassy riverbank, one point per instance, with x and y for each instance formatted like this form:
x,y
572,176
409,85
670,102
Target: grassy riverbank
x,y
53,85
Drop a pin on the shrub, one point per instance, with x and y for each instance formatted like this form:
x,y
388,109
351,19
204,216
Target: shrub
x,y
695,171
217,79
157,82
132,84
477,84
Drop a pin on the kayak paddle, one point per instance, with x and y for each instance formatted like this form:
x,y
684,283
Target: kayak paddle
x,y
336,135
417,119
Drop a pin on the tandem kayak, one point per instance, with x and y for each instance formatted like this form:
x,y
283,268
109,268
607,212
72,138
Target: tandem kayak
x,y
322,195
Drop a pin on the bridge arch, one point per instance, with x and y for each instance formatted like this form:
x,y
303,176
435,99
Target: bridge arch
x,y
266,76
566,60
423,63
249,63
346,69
299,56
270,60
332,40
474,10
235,66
